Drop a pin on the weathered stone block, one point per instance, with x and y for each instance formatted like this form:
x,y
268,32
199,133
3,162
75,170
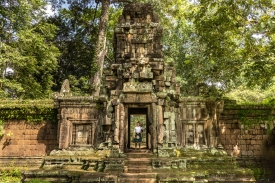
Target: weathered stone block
x,y
156,65
167,83
138,87
161,102
159,78
236,131
161,83
166,115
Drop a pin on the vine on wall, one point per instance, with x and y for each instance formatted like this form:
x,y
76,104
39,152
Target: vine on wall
x,y
2,131
248,117
33,111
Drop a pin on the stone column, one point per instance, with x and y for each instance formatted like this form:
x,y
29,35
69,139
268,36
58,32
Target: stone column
x,y
64,134
116,125
178,126
121,127
93,133
160,125
154,123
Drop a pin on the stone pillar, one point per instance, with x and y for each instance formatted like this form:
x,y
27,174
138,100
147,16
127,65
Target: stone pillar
x,y
116,125
64,134
93,137
121,127
178,126
160,125
183,134
173,135
154,123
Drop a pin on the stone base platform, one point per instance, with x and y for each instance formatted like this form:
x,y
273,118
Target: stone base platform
x,y
141,166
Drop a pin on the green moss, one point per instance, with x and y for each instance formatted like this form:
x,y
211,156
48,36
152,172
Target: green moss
x,y
248,117
33,111
10,175
38,181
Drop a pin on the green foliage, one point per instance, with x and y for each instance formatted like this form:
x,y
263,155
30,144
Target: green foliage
x,y
244,95
10,175
26,49
261,174
256,116
75,38
29,110
38,181
221,43
2,131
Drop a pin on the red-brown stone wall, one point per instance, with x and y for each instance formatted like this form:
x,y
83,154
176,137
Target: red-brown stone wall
x,y
241,141
27,139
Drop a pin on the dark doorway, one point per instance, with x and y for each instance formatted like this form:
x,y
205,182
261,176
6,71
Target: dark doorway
x,y
137,115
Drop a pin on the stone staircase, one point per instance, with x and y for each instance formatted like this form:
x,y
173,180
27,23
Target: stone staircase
x,y
138,168
141,166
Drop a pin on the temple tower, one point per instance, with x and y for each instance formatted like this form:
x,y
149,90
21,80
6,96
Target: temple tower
x,y
140,82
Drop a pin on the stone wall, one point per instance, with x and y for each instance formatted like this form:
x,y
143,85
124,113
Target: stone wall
x,y
28,140
240,140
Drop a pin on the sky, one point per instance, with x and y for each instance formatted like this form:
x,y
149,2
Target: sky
x,y
49,10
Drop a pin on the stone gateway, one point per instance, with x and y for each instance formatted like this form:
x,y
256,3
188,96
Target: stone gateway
x,y
140,82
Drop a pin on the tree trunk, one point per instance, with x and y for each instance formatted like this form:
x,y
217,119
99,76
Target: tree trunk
x,y
101,46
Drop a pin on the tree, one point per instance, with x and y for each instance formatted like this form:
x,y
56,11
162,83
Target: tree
x,y
227,32
75,38
212,42
221,43
101,47
97,63
26,50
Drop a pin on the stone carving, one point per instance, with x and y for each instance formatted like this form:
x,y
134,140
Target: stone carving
x,y
132,86
65,89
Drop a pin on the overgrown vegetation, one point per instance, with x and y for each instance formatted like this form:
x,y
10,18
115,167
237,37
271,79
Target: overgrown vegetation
x,y
244,95
10,175
33,111
2,131
254,116
38,181
222,43
261,174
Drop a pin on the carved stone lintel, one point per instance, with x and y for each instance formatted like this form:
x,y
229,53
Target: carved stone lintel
x,y
144,87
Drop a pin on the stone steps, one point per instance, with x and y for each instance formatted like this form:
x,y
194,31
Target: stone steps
x,y
97,177
134,180
143,153
138,168
138,162
20,161
141,166
53,176
138,178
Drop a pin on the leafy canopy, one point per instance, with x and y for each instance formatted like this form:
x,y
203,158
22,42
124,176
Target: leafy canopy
x,y
224,44
26,48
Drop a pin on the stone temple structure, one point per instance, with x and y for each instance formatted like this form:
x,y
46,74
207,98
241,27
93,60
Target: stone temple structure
x,y
140,82
185,139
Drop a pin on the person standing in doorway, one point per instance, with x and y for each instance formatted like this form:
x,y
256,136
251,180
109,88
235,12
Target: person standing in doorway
x,y
138,137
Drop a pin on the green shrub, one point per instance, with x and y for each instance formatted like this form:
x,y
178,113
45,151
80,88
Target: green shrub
x,y
38,181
